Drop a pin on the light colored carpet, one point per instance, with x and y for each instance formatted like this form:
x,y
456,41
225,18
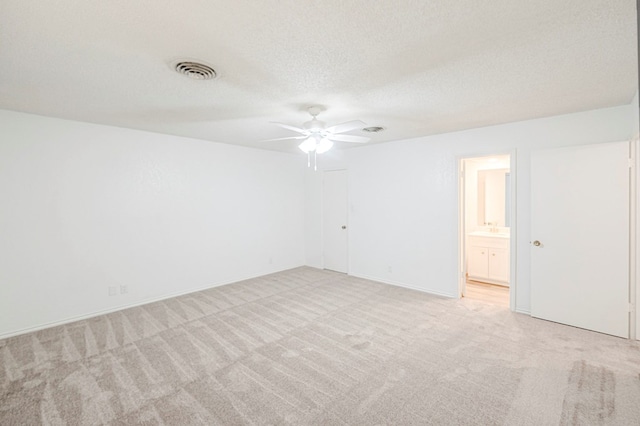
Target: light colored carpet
x,y
309,347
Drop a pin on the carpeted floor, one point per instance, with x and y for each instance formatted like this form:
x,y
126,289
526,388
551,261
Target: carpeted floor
x,y
310,347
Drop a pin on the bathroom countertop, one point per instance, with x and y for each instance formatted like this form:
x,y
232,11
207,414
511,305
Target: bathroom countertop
x,y
489,234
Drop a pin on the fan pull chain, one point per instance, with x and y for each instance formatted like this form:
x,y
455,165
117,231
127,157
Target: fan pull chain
x,y
315,161
308,159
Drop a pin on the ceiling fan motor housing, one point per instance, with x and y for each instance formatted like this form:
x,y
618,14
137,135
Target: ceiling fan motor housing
x,y
314,125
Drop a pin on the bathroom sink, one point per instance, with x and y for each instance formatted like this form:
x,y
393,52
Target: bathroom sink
x,y
489,234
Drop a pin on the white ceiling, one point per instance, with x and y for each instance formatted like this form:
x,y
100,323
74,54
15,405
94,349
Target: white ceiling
x,y
416,67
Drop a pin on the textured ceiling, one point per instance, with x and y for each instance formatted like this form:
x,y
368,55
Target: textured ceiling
x,y
415,67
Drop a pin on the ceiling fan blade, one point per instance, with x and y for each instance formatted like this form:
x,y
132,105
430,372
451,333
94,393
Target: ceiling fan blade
x,y
349,138
283,139
286,126
346,127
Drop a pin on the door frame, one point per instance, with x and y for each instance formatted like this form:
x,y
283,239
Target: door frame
x,y
322,201
634,249
462,249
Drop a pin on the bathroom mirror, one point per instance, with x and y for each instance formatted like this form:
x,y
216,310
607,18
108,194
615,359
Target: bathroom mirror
x,y
494,197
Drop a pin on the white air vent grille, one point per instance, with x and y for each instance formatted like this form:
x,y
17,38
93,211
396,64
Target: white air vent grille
x,y
195,70
373,129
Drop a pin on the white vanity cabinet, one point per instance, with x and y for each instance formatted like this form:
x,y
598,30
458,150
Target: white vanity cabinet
x,y
488,258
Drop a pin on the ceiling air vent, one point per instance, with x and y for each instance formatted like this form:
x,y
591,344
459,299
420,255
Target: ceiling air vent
x,y
373,129
195,70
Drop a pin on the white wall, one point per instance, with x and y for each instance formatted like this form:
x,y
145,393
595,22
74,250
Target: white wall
x,y
84,207
404,203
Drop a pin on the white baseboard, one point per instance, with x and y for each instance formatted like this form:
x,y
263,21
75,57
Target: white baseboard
x,y
399,284
133,305
523,311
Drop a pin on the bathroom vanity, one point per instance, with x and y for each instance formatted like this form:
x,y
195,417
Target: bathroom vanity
x,y
488,257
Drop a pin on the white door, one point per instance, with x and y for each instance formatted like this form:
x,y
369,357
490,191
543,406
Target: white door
x,y
334,220
580,236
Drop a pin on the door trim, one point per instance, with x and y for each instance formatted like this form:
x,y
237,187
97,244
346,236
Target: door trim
x,y
634,322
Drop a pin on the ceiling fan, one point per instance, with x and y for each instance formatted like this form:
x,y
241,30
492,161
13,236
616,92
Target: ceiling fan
x,y
318,138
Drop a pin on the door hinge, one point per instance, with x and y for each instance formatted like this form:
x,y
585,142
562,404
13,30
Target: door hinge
x,y
630,162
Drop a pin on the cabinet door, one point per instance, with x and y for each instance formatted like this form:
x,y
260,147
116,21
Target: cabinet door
x,y
478,262
499,264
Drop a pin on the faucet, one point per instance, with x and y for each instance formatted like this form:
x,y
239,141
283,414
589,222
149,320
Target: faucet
x,y
494,226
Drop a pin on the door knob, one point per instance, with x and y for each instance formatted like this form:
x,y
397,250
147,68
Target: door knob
x,y
537,243
344,226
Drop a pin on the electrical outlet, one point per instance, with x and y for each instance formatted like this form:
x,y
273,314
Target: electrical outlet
x,y
124,289
271,260
112,290
389,269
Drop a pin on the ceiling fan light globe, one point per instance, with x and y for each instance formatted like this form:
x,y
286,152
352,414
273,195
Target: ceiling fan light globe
x,y
323,146
308,145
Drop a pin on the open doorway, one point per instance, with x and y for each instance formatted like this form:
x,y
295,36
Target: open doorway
x,y
486,205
